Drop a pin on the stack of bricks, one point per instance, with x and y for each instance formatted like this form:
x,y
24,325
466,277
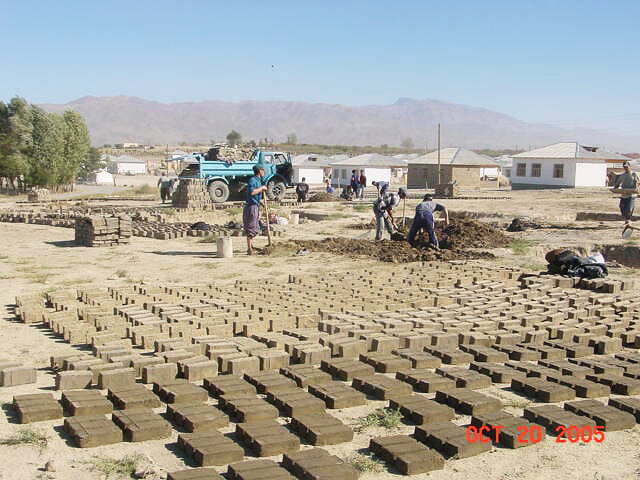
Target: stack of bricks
x,y
101,231
191,193
39,195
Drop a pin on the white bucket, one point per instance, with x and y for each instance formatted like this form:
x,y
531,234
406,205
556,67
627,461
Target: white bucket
x,y
225,247
295,219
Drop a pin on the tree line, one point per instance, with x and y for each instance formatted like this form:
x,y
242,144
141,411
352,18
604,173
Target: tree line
x,y
41,149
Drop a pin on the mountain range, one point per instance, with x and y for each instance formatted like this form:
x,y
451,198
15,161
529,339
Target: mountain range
x,y
121,119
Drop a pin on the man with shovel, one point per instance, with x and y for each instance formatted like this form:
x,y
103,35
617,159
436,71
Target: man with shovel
x,y
424,220
251,212
383,211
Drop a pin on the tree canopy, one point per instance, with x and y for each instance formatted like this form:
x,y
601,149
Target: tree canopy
x,y
234,138
42,149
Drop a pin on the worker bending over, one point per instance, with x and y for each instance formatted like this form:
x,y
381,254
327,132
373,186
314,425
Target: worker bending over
x,y
383,211
424,219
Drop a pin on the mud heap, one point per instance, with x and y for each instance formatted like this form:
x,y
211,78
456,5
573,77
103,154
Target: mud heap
x,y
323,197
456,242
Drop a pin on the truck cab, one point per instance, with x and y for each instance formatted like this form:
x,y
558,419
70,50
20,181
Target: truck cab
x,y
227,178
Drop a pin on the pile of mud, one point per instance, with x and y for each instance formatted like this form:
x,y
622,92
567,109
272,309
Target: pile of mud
x,y
323,197
464,232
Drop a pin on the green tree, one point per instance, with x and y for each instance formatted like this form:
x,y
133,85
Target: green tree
x,y
234,138
407,143
91,163
15,140
47,154
76,146
292,139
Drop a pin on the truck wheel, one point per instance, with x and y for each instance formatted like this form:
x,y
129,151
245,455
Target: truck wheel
x,y
276,190
218,191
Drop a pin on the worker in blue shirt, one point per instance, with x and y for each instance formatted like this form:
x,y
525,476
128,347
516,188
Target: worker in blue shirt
x,y
424,219
251,212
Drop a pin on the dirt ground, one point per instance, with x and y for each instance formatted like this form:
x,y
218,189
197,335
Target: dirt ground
x,y
36,259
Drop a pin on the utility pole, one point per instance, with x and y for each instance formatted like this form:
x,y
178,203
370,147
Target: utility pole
x,y
438,154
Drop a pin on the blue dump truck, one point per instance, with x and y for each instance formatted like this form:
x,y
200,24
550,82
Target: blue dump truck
x,y
227,179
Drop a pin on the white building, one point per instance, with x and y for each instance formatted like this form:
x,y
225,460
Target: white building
x,y
376,168
313,168
101,177
127,165
561,165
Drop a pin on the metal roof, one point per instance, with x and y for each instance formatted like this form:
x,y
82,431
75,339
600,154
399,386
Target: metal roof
x,y
455,156
126,159
311,160
371,160
571,151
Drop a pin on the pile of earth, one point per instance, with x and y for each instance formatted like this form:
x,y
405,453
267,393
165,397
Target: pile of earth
x,y
464,232
323,197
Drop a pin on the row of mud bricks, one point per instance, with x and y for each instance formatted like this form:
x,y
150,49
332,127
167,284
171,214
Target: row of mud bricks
x,y
254,355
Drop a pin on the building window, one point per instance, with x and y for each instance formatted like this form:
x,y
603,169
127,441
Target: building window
x,y
521,170
558,170
536,169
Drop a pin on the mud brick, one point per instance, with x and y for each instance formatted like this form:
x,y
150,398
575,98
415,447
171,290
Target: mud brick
x,y
618,384
195,474
546,352
443,340
420,410
305,375
267,437
181,393
381,387
134,396
419,360
270,382
406,454
468,401
321,429
508,339
228,384
261,469
426,381
450,440
485,354
116,378
98,368
607,416
210,448
533,370
552,416
465,378
36,407
272,359
57,362
605,345
566,368
139,363
629,405
85,403
318,464
162,373
518,353
496,372
239,366
197,417
451,356
295,402
138,426
337,395
92,431
311,354
247,409
385,363
583,388
73,380
346,370
197,371
509,433
542,390
573,350
12,375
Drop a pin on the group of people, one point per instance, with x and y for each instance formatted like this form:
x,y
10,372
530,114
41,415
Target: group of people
x,y
358,183
386,202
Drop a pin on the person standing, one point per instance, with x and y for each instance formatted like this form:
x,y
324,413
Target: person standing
x,y
424,219
628,181
329,188
363,184
355,182
251,212
383,211
302,189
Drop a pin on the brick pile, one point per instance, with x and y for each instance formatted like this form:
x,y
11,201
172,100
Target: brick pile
x,y
39,195
102,231
191,193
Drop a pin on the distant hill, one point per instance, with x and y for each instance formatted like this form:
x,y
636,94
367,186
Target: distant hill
x,y
130,119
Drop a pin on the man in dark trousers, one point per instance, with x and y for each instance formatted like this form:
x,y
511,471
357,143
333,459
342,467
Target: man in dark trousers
x,y
355,182
383,211
629,182
424,219
302,189
251,212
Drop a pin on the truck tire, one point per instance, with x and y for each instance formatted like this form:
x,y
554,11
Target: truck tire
x,y
218,191
276,190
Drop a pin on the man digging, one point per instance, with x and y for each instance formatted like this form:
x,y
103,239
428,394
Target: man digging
x,y
424,220
251,212
383,211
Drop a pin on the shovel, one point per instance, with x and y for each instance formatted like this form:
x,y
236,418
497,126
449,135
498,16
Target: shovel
x,y
266,210
627,231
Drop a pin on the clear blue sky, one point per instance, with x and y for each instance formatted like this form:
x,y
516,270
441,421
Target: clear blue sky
x,y
564,62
